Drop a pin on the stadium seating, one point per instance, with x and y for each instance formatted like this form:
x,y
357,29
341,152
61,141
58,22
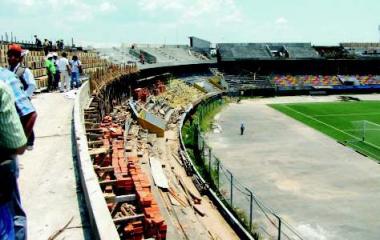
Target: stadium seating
x,y
362,50
169,54
301,50
237,82
363,79
319,80
369,80
286,81
243,51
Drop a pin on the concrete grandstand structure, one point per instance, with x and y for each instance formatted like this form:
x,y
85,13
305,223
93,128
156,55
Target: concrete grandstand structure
x,y
116,136
245,67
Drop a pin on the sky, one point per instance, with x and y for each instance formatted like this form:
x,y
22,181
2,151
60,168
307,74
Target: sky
x,y
103,23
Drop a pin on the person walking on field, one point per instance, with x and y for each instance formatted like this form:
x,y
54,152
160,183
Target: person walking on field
x,y
242,128
64,69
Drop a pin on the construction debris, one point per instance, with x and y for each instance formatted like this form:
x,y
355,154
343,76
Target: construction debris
x,y
158,174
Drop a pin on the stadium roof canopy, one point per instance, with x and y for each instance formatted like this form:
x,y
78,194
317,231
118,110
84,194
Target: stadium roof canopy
x,y
265,51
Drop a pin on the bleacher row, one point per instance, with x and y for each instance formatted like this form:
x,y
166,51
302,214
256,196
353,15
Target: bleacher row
x,y
322,80
167,54
248,51
35,61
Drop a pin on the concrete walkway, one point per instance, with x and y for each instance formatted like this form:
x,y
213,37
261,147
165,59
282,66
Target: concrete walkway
x,y
323,189
50,187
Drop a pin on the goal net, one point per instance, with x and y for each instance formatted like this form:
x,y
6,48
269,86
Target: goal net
x,y
367,132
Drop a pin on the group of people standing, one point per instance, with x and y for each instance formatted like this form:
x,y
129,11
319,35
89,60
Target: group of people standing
x,y
48,45
17,119
63,72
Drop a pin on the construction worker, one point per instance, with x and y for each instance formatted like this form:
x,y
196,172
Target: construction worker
x,y
64,69
46,47
56,76
242,128
38,42
15,58
50,70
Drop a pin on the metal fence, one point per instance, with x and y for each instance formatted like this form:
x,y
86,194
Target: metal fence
x,y
260,220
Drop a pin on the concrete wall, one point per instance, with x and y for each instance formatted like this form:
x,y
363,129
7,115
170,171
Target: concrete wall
x,y
200,44
101,222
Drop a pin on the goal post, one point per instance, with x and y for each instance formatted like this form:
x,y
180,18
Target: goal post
x,y
367,132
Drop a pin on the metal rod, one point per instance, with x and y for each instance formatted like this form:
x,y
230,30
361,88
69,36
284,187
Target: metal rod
x,y
209,163
231,189
250,209
218,165
279,227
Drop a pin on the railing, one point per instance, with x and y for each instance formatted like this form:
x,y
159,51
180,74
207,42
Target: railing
x,y
258,219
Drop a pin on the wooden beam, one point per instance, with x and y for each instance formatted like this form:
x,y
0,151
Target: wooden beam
x,y
128,218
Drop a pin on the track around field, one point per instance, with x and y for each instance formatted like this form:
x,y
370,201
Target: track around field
x,y
322,188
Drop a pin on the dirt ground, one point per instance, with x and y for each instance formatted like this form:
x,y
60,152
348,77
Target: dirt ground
x,y
323,189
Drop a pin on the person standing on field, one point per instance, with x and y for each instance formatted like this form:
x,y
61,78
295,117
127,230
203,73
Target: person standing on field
x,y
64,69
242,128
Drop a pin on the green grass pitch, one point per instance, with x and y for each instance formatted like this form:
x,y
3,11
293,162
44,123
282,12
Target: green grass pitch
x,y
336,119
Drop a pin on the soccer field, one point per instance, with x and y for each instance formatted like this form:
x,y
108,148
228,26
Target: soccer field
x,y
356,124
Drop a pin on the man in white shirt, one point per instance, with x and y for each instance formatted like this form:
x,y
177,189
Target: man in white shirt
x,y
64,69
75,71
15,57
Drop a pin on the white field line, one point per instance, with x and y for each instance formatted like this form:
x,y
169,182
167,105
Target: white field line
x,y
360,130
346,114
366,151
328,125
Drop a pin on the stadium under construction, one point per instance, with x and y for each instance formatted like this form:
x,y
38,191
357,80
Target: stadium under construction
x,y
159,154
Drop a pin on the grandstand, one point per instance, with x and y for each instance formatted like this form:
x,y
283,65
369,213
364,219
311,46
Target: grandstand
x,y
263,77
301,51
117,55
362,80
304,81
242,51
264,51
245,82
362,50
167,53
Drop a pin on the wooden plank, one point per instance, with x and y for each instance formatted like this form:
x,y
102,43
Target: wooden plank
x,y
125,198
105,182
128,218
158,173
103,169
96,151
